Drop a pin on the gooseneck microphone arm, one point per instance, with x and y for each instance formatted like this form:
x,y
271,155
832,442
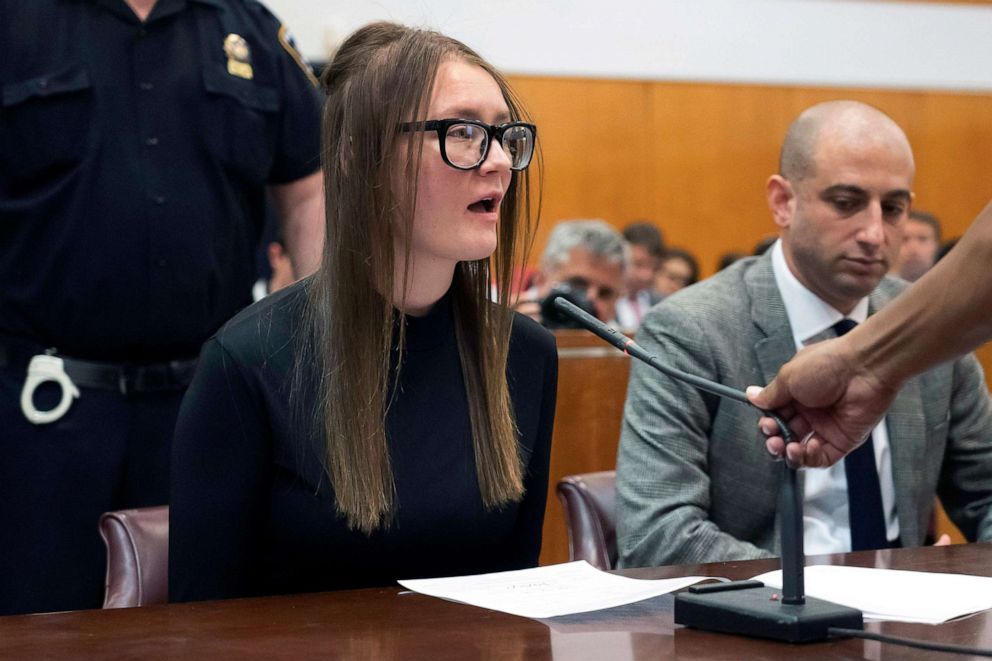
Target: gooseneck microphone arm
x,y
790,502
628,346
747,607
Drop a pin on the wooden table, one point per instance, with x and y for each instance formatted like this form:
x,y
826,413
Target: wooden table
x,y
385,624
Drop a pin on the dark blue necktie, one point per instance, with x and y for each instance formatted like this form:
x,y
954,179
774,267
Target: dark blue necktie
x,y
864,493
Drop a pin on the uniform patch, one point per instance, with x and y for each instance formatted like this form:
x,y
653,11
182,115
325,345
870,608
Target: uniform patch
x,y
238,56
286,39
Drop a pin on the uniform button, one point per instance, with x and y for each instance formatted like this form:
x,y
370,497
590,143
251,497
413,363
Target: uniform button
x,y
146,86
152,141
161,261
159,199
43,83
142,32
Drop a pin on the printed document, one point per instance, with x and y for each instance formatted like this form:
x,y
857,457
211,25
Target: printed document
x,y
573,587
895,595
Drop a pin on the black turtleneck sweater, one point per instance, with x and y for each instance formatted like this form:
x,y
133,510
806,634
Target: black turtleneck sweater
x,y
252,511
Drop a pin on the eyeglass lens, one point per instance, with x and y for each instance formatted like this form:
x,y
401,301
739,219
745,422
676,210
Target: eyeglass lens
x,y
602,293
466,145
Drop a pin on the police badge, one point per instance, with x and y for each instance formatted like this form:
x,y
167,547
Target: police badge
x,y
238,56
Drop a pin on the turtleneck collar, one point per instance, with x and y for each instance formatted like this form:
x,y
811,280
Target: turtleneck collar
x,y
432,330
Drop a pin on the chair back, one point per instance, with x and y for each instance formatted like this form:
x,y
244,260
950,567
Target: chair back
x,y
137,556
589,500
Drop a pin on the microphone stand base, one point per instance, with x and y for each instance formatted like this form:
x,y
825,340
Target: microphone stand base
x,y
759,612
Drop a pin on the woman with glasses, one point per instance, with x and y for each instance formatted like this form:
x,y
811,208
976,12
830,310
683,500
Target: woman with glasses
x,y
384,418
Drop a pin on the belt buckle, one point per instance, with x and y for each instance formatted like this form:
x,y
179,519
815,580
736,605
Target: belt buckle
x,y
122,379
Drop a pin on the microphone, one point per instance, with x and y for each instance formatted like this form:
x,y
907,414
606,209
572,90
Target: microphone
x,y
744,607
631,348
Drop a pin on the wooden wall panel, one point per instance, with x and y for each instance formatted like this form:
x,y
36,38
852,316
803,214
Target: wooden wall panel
x,y
715,147
694,158
952,138
592,385
597,162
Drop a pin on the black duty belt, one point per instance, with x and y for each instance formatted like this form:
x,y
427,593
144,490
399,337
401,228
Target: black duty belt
x,y
160,377
124,378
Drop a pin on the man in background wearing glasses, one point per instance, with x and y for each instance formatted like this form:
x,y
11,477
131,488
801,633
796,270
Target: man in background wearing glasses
x,y
585,260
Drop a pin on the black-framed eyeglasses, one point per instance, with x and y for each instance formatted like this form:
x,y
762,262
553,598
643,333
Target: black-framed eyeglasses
x,y
465,142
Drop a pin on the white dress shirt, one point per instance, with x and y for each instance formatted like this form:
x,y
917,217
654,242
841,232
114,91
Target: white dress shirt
x,y
630,311
826,527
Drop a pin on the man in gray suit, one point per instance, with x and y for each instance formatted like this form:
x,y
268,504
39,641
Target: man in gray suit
x,y
694,481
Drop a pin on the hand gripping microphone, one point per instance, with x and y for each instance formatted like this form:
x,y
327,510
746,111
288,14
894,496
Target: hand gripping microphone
x,y
744,607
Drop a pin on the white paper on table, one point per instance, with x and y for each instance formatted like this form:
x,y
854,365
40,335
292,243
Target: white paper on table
x,y
550,591
896,595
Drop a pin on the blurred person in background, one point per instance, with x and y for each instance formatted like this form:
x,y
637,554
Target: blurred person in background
x,y
946,247
679,269
920,244
728,258
646,250
584,261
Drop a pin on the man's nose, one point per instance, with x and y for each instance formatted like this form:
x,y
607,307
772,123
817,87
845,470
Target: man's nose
x,y
872,231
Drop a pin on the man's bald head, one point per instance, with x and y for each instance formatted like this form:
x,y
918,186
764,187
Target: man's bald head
x,y
841,198
851,122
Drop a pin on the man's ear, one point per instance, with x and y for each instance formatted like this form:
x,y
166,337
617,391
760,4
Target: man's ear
x,y
781,199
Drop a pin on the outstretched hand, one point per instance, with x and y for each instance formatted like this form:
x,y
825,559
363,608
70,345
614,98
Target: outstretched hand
x,y
829,404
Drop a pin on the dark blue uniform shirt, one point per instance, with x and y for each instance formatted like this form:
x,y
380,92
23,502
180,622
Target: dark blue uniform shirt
x,y
133,166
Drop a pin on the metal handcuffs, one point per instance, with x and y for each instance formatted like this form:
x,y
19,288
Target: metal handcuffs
x,y
41,369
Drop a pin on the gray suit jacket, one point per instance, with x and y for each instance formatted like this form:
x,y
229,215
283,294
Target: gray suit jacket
x,y
694,483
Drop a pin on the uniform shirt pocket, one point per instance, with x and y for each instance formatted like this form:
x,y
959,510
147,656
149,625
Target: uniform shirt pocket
x,y
240,122
45,125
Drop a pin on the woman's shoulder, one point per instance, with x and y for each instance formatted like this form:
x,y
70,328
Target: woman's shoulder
x,y
531,338
265,328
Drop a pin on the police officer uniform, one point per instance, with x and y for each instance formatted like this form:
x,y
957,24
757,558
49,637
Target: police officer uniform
x,y
133,164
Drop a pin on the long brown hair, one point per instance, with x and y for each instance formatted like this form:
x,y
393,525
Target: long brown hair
x,y
381,76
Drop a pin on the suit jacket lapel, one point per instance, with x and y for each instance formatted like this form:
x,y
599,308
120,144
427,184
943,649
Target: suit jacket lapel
x,y
774,344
